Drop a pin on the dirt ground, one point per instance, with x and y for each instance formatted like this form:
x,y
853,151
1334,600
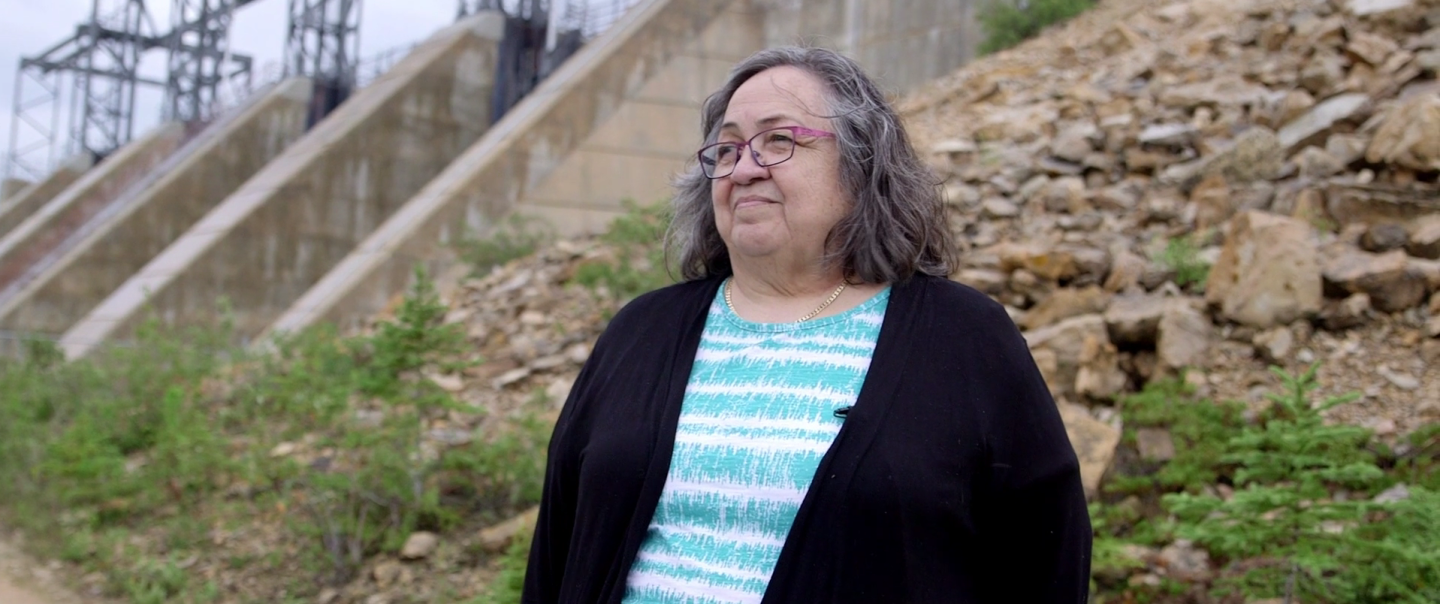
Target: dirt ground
x,y
23,581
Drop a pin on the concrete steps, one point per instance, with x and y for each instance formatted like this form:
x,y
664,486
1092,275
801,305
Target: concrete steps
x,y
531,143
277,234
23,203
332,228
44,230
617,123
57,290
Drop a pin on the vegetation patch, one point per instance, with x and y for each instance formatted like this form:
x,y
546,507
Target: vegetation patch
x,y
1285,505
636,263
180,463
1007,23
1181,255
517,237
147,457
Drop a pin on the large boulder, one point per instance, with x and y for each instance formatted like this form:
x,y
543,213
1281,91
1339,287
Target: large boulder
x,y
1376,203
1408,136
1386,278
1094,442
1226,90
1184,337
1135,320
1058,349
1065,303
1100,375
1267,273
1321,118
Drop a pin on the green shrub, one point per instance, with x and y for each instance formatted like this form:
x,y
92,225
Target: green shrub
x,y
1302,520
510,582
1200,429
1302,515
1010,22
1183,256
416,340
517,237
639,264
124,453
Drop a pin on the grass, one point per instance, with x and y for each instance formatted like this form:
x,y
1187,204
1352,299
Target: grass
x,y
518,236
1007,23
136,454
638,264
1182,256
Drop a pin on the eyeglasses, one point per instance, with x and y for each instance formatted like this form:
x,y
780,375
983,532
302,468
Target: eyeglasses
x,y
767,148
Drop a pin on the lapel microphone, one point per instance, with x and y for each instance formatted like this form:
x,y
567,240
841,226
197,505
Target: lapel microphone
x,y
843,412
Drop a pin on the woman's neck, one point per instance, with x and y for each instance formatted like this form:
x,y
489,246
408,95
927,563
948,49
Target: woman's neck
x,y
769,293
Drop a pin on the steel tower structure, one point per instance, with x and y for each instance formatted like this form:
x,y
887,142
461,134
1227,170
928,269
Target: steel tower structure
x,y
100,62
324,44
103,59
200,58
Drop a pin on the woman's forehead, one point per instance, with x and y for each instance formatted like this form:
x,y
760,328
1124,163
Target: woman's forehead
x,y
772,98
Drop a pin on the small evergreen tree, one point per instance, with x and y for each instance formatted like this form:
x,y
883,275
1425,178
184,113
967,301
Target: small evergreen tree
x,y
1302,519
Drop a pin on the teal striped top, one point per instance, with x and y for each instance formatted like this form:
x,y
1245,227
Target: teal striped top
x,y
757,417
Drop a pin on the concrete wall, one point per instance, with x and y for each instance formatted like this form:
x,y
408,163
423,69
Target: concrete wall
x,y
25,201
286,227
902,44
11,186
634,155
45,229
575,178
93,263
568,115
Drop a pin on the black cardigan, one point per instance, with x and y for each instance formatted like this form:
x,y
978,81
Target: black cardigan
x,y
952,479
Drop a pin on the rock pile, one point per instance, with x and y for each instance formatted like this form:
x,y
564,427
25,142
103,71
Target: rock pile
x,y
1295,144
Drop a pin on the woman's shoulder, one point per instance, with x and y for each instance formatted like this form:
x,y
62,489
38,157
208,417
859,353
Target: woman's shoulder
x,y
952,296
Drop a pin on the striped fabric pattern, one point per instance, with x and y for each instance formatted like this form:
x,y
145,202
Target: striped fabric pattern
x,y
757,417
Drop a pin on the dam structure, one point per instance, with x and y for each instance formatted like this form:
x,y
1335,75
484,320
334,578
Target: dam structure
x,y
292,224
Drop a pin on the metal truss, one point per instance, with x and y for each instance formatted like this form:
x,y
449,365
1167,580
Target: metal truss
x,y
107,75
200,58
35,144
102,62
103,57
324,44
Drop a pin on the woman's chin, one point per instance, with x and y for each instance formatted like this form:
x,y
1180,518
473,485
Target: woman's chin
x,y
755,243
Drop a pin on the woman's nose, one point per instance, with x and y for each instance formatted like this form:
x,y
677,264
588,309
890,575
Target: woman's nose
x,y
748,168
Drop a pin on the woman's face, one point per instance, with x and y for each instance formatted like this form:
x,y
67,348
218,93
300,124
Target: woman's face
x,y
782,212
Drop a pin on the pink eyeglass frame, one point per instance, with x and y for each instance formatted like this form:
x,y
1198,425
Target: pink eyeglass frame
x,y
794,131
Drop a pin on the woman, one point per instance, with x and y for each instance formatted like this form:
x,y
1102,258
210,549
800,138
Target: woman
x,y
816,414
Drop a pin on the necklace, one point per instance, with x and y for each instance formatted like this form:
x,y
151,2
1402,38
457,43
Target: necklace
x,y
811,315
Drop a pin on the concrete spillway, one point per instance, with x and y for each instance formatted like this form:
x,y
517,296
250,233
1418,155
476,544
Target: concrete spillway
x,y
331,228
284,228
523,149
42,232
29,198
57,290
617,123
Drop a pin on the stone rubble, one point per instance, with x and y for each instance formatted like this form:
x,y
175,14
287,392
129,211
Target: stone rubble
x,y
1294,143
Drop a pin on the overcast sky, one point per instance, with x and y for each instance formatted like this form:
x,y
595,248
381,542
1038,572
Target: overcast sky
x,y
28,27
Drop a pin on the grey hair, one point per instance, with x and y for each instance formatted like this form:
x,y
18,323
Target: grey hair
x,y
897,224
